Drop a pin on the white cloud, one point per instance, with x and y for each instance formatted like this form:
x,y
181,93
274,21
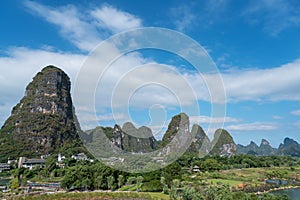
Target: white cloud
x,y
73,24
256,84
85,31
208,119
88,29
277,117
273,16
256,126
115,20
183,17
110,117
295,112
274,84
22,64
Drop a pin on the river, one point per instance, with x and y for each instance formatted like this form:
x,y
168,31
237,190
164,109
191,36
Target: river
x,y
294,194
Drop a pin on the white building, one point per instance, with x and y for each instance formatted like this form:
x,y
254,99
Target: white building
x,y
4,166
80,156
31,163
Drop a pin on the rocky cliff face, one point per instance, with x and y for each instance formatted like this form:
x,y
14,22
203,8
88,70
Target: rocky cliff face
x,y
138,140
289,147
177,135
264,149
201,143
251,148
223,144
127,139
44,118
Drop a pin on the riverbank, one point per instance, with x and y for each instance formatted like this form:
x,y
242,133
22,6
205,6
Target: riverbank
x,y
278,189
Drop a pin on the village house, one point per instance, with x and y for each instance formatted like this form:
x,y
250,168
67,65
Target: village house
x,y
31,163
81,156
4,167
196,169
60,161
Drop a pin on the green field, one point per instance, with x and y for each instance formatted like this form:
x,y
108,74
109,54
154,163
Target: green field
x,y
231,183
249,176
100,195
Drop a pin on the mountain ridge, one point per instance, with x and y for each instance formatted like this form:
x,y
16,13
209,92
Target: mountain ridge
x,y
44,120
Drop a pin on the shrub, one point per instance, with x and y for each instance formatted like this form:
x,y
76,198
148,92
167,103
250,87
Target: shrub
x,y
152,186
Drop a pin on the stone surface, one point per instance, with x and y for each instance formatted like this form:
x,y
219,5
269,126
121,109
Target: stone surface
x,y
43,120
223,144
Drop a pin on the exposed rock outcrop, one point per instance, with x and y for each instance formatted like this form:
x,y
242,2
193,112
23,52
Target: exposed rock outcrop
x,y
201,143
223,144
177,138
43,120
125,139
289,147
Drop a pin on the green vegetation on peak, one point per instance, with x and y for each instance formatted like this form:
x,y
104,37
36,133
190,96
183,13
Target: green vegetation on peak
x,y
223,144
44,119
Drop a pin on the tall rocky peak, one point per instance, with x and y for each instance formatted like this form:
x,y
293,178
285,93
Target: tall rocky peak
x,y
223,144
253,144
142,132
251,148
138,140
44,118
128,138
264,142
178,122
201,143
265,148
289,147
177,138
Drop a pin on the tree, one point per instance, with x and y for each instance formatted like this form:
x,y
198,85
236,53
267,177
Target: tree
x,y
139,181
189,193
14,184
218,192
173,192
98,181
210,164
176,183
86,183
163,181
120,180
79,176
164,185
172,171
110,182
130,180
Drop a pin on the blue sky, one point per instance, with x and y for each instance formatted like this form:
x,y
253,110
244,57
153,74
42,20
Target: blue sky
x,y
255,45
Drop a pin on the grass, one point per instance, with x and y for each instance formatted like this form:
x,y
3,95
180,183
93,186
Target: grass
x,y
249,176
231,183
100,195
53,179
128,188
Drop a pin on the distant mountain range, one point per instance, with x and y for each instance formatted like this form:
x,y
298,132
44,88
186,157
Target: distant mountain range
x,y
44,122
289,147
